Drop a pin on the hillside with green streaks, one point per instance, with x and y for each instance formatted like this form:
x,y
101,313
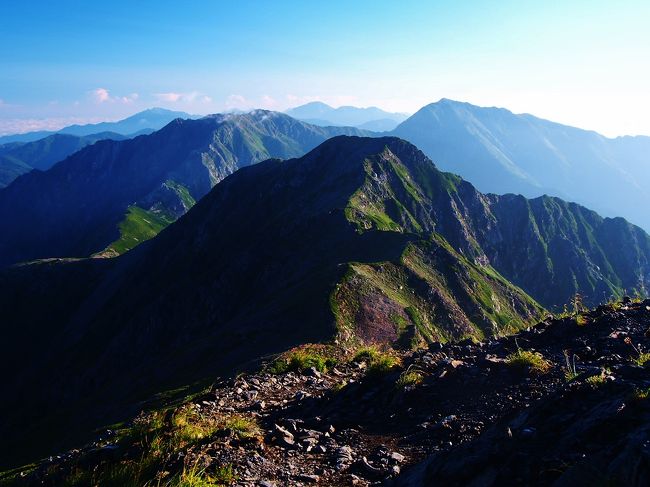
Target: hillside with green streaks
x,y
138,225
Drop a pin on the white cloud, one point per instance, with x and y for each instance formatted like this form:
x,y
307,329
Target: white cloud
x,y
268,102
180,97
129,98
169,97
240,102
102,95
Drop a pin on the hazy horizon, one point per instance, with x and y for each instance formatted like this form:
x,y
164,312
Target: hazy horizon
x,y
577,64
58,124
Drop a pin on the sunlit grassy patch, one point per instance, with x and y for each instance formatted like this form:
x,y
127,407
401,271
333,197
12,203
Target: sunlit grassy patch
x,y
535,361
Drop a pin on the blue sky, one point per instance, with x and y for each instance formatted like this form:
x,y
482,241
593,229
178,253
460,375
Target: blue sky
x,y
583,63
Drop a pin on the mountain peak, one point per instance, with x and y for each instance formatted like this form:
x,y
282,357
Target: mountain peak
x,y
317,104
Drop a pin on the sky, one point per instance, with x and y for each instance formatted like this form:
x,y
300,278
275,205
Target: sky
x,y
583,63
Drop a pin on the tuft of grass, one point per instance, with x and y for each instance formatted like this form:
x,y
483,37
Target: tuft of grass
x,y
640,394
596,381
190,426
225,475
195,477
301,360
581,320
535,361
242,426
379,362
409,378
366,354
383,364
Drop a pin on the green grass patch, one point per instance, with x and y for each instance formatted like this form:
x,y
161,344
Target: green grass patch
x,y
383,364
596,381
378,362
643,360
195,477
409,378
534,361
138,226
339,386
366,354
182,192
640,394
302,359
242,426
188,426
581,320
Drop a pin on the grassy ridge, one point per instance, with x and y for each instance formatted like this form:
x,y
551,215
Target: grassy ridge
x,y
138,225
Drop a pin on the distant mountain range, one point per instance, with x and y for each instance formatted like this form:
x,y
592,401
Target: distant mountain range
x,y
112,195
371,118
143,122
501,152
17,158
498,151
362,239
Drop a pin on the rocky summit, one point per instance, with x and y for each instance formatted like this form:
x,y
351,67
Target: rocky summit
x,y
565,402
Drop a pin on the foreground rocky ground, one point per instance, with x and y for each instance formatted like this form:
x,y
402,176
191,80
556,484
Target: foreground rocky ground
x,y
563,403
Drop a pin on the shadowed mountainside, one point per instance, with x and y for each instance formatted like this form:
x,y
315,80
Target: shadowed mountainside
x,y
362,239
19,158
